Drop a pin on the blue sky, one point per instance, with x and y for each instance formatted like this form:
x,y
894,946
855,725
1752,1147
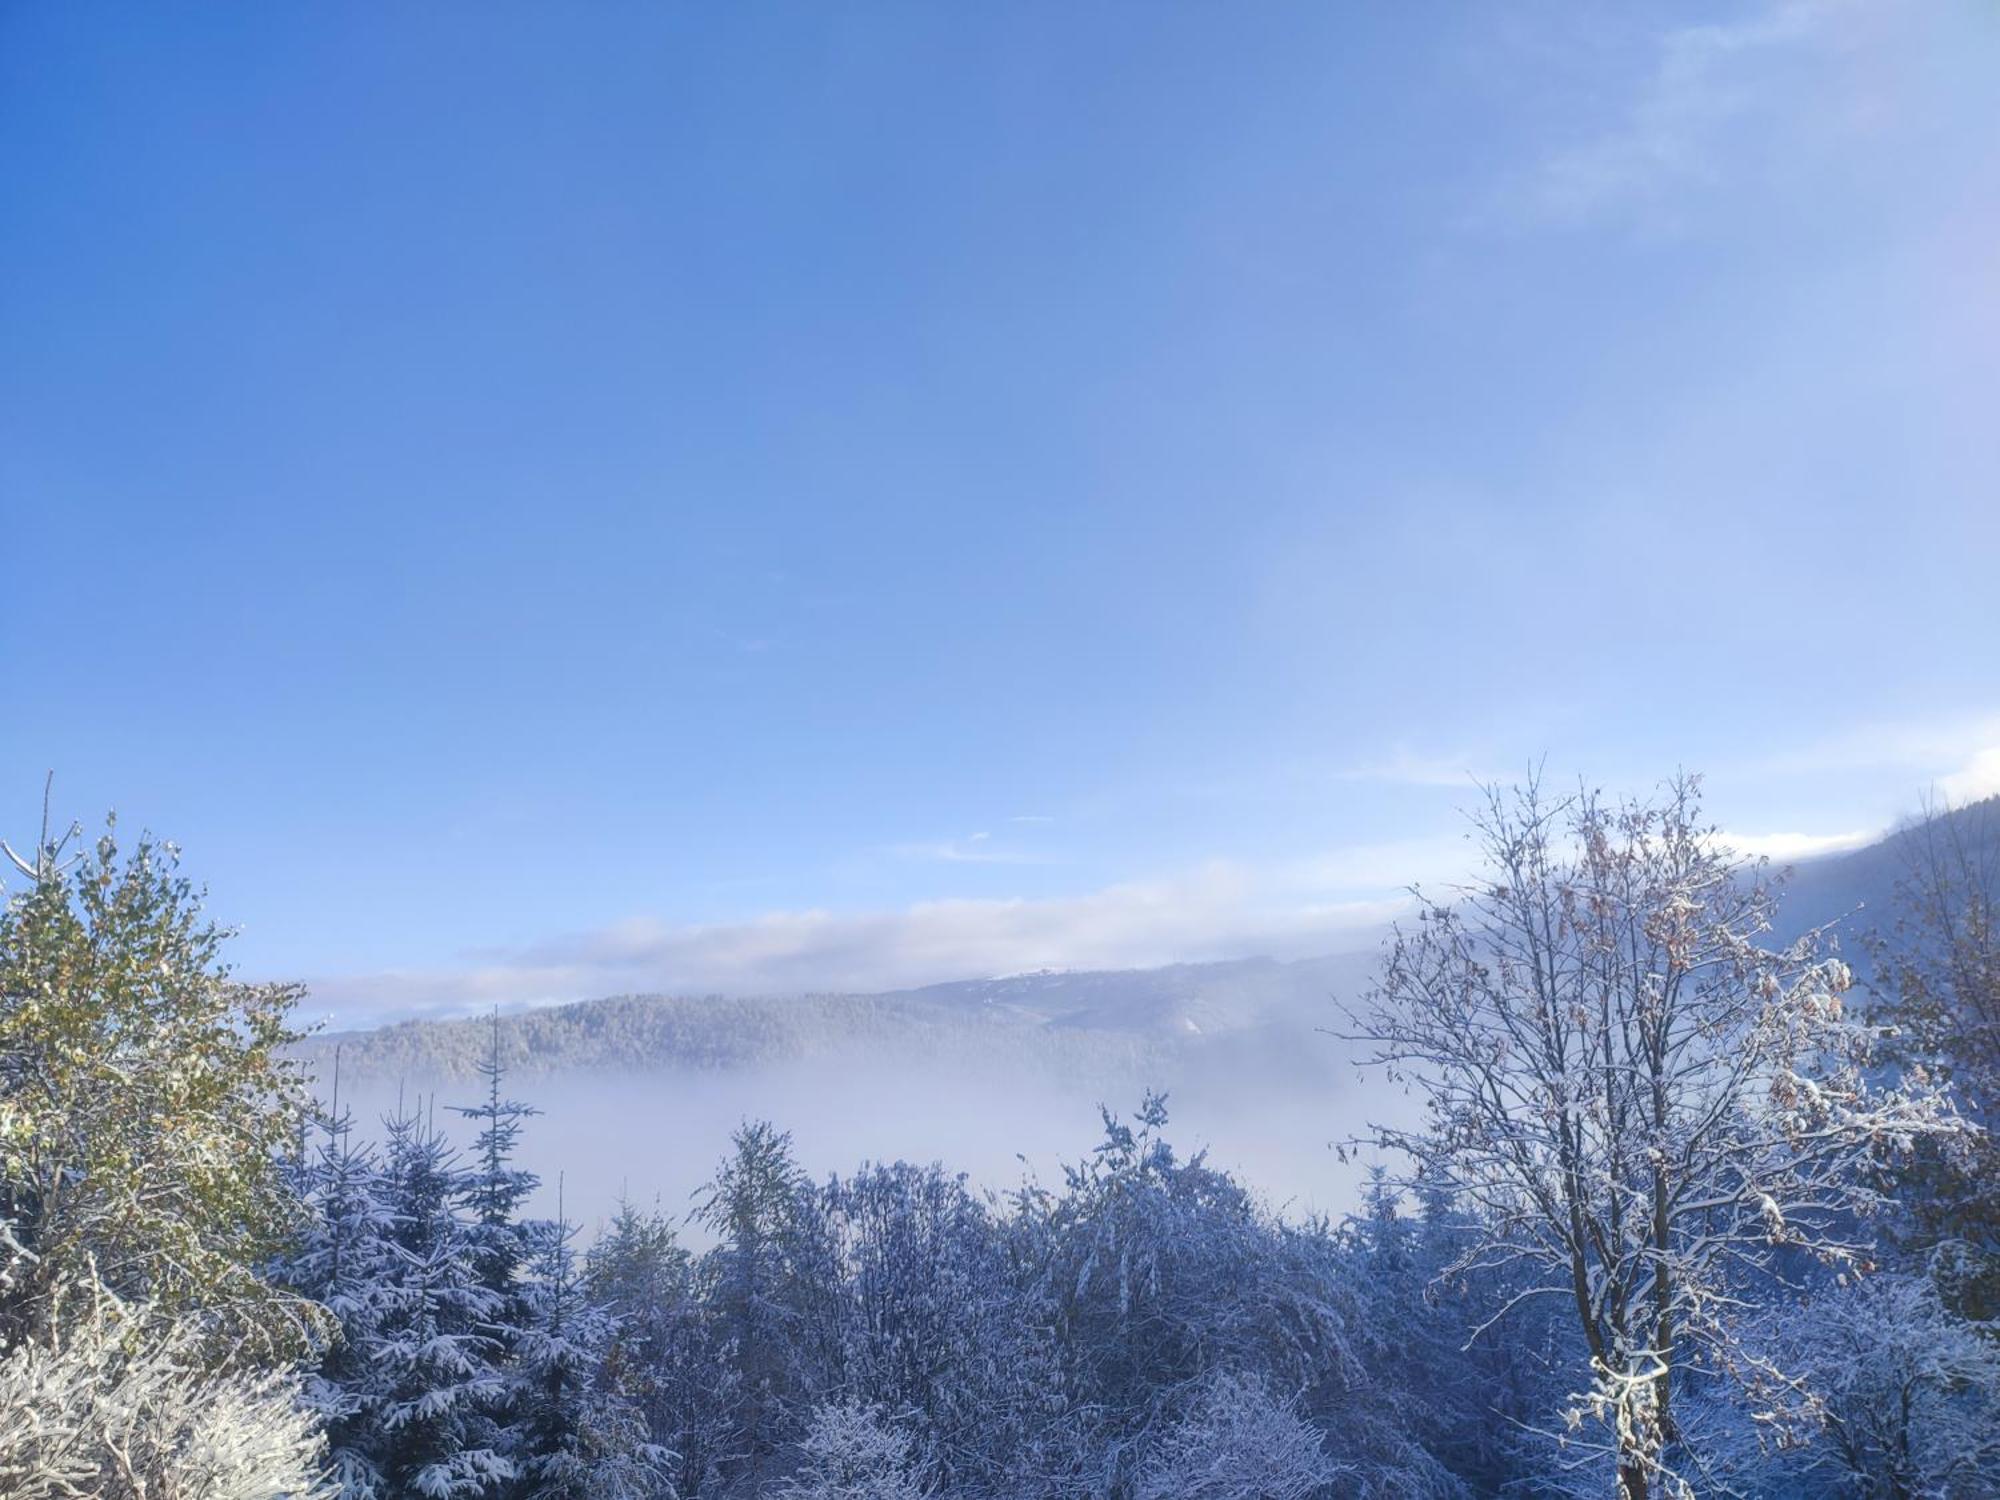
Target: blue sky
x,y
544,500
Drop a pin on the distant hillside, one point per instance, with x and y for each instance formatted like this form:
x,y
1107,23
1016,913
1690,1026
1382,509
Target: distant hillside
x,y
1858,890
1079,1025
1123,1021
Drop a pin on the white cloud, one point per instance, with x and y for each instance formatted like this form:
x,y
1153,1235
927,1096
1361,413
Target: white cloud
x,y
973,849
1317,903
1400,863
1716,101
1785,847
1944,749
1977,779
1403,767
1221,910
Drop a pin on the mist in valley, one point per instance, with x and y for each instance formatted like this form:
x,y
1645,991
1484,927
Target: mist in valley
x,y
1267,1110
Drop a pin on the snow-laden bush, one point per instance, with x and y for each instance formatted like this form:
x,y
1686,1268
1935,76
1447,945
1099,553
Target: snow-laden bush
x,y
1239,1443
849,1452
122,1406
1905,1399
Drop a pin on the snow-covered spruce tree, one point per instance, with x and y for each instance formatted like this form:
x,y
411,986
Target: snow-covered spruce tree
x,y
1239,1443
771,1289
433,1347
145,1100
343,1261
1640,1105
666,1356
575,1436
1406,1334
851,1452
119,1403
492,1189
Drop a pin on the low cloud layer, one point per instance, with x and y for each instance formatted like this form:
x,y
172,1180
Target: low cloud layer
x,y
1222,910
1337,900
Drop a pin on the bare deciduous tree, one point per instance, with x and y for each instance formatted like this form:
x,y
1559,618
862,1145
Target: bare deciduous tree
x,y
1647,1107
1938,971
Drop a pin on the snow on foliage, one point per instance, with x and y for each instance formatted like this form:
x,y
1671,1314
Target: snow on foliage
x,y
1904,1398
1642,1106
125,1405
849,1452
1238,1443
146,1097
1671,1189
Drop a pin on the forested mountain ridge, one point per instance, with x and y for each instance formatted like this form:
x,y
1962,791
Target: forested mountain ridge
x,y
1085,1020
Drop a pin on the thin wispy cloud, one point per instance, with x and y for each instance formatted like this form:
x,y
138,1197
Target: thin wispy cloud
x,y
973,849
1948,752
1313,903
1710,102
1786,847
1402,767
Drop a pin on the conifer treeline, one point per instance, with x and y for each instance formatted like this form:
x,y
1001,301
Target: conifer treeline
x,y
1145,1328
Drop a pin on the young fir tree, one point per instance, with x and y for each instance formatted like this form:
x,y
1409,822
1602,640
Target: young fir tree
x,y
343,1261
1464,1400
666,1356
494,1188
491,1191
576,1437
434,1348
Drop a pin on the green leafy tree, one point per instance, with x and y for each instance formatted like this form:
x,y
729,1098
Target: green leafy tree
x,y
146,1098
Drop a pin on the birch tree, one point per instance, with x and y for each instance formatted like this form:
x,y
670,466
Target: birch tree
x,y
1647,1108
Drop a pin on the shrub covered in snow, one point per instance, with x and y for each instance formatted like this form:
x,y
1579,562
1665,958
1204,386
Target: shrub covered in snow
x,y
850,1452
1239,1443
125,1406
